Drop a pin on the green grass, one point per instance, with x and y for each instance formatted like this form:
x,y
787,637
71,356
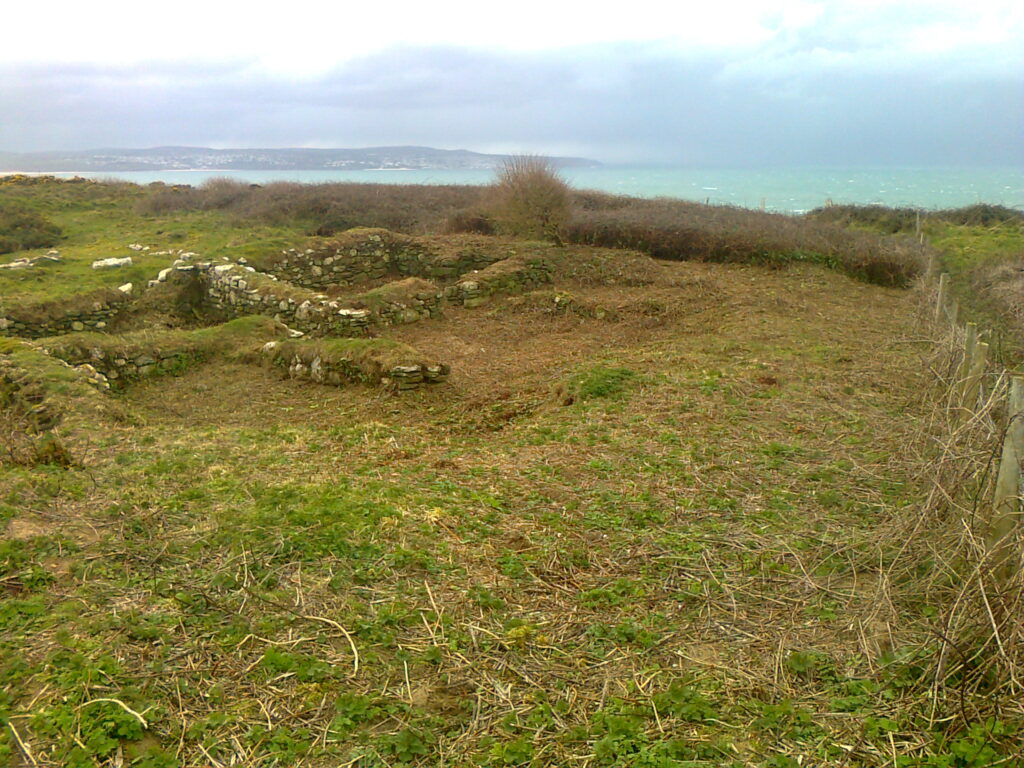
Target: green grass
x,y
99,221
684,564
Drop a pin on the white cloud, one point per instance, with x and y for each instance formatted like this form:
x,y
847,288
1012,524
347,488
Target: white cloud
x,y
304,38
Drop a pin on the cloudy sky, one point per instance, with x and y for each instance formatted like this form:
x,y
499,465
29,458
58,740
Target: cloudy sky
x,y
726,82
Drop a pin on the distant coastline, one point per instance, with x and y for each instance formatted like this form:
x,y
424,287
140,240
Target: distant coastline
x,y
784,190
186,159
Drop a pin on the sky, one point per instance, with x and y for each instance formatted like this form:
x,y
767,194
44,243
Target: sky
x,y
719,83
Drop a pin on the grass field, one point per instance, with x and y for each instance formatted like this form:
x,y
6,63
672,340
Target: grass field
x,y
654,518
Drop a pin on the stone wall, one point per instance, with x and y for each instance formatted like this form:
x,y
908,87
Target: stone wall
x,y
117,360
90,312
364,255
236,290
509,276
117,368
401,301
375,362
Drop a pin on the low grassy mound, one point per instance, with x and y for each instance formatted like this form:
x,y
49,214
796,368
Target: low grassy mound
x,y
47,408
22,229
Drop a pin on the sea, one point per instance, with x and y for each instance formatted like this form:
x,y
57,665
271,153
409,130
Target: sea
x,y
783,190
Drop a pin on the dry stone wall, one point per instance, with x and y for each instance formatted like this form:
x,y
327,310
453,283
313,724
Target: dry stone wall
x,y
236,290
286,290
117,368
307,361
364,255
92,312
509,276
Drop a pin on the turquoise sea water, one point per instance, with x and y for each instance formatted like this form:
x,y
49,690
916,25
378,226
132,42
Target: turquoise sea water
x,y
782,189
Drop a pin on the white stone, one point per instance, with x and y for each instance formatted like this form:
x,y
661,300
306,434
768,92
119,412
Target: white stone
x,y
126,288
112,263
162,276
222,268
316,370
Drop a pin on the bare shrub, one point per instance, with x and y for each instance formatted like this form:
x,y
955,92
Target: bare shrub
x,y
530,199
322,209
160,199
679,230
222,192
468,222
883,218
22,228
1000,288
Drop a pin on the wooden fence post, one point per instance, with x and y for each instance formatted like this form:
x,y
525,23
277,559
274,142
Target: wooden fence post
x,y
940,300
972,384
1006,511
964,369
970,342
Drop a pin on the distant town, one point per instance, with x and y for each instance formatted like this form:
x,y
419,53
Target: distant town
x,y
203,158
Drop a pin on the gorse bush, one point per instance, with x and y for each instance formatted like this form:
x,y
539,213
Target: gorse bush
x,y
22,229
529,199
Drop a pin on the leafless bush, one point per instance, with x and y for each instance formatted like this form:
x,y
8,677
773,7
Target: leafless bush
x,y
529,199
1000,287
323,209
680,230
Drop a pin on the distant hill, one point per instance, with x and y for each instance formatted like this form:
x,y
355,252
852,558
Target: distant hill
x,y
203,158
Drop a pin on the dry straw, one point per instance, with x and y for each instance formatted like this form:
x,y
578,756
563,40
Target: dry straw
x,y
961,550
